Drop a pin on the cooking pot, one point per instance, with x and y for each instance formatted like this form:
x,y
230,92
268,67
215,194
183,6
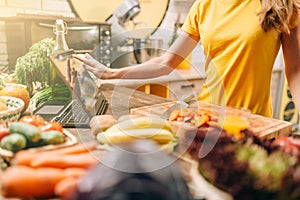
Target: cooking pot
x,y
146,48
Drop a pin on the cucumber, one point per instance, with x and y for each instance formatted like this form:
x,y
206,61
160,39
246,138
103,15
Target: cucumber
x,y
30,132
13,142
52,137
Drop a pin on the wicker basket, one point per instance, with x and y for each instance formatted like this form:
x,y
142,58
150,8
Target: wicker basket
x,y
13,113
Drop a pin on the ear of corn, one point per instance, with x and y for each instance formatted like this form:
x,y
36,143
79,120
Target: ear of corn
x,y
141,123
161,136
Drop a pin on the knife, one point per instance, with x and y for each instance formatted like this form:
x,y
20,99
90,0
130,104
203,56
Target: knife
x,y
183,102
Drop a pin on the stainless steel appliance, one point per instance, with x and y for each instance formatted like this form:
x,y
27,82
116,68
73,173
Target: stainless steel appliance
x,y
24,30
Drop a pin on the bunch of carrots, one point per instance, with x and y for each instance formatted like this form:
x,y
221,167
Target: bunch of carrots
x,y
46,174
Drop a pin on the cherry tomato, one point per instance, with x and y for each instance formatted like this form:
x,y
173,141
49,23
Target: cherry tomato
x,y
51,126
35,120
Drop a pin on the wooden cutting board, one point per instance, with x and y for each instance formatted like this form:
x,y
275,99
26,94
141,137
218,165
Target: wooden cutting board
x,y
264,127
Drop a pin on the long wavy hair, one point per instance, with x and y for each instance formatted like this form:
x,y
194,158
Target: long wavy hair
x,y
280,15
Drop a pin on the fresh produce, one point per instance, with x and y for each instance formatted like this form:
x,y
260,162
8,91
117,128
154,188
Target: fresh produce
x,y
129,130
45,182
52,137
141,123
40,97
66,187
51,126
4,131
34,66
287,144
31,132
100,123
249,168
59,91
26,182
35,120
36,131
50,173
161,136
233,121
81,160
25,157
18,91
13,142
2,82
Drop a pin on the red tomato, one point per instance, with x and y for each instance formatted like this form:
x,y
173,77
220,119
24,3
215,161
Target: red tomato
x,y
3,132
51,126
35,120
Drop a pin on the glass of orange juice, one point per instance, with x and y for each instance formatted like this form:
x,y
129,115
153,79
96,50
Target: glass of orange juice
x,y
234,120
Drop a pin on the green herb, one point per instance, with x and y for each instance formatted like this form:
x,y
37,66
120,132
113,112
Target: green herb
x,y
35,66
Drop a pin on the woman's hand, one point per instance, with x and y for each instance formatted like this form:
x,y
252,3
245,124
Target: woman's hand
x,y
92,65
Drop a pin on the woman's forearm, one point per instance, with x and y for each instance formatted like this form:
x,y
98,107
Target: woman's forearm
x,y
153,68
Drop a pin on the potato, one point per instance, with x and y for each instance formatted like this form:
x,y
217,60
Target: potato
x,y
100,123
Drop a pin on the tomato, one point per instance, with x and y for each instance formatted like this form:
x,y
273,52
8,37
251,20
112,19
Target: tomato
x,y
3,132
51,126
35,120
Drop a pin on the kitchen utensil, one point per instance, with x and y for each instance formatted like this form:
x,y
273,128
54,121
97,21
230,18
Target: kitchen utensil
x,y
182,103
146,48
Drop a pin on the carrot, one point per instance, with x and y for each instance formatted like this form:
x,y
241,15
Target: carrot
x,y
24,157
82,160
74,172
25,182
65,188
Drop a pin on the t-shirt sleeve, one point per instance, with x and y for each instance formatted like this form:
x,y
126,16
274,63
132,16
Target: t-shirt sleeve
x,y
190,24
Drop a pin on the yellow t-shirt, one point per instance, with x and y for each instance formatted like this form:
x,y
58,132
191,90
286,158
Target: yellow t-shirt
x,y
240,55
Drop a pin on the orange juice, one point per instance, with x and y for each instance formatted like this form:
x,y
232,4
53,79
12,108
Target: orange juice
x,y
234,125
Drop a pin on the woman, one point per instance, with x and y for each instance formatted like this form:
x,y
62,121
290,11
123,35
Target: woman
x,y
241,39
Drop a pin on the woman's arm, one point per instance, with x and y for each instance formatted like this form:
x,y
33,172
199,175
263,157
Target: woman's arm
x,y
291,52
155,67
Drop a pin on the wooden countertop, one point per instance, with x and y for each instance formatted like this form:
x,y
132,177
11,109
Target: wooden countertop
x,y
121,100
263,127
176,75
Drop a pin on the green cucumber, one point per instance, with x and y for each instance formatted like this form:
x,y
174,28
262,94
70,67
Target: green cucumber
x,y
53,137
13,142
31,132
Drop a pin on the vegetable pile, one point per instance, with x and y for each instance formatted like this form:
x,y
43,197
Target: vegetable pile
x,y
48,174
248,168
31,131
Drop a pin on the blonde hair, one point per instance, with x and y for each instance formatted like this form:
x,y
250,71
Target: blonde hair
x,y
280,15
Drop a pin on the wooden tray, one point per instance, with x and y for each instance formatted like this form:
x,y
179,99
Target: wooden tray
x,y
70,140
264,127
